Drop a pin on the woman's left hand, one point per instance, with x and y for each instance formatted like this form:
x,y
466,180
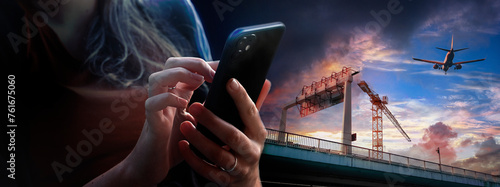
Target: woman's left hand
x,y
236,164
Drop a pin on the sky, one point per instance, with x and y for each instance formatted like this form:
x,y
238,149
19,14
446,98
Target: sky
x,y
458,112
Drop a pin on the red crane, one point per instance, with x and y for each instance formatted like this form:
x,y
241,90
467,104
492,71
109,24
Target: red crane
x,y
378,107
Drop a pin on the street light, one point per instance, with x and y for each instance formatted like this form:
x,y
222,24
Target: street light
x,y
439,154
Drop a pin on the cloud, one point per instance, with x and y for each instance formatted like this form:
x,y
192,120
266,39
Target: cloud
x,y
461,104
466,142
360,51
484,97
485,160
429,34
458,17
314,46
446,138
437,135
475,99
385,69
325,135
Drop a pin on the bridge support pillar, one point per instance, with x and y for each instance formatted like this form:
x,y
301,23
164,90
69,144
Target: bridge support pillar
x,y
346,120
281,136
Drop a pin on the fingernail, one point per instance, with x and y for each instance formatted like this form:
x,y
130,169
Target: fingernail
x,y
182,102
234,84
186,126
195,110
197,77
212,74
183,144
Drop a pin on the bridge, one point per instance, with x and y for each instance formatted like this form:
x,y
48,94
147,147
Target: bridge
x,y
307,161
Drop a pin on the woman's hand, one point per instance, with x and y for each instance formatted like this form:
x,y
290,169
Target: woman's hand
x,y
236,164
169,93
156,150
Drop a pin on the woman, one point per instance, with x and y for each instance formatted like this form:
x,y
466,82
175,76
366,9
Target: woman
x,y
108,112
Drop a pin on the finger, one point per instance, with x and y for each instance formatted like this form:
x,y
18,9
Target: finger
x,y
154,105
207,147
226,132
195,65
161,101
160,81
263,94
225,147
213,65
247,110
201,167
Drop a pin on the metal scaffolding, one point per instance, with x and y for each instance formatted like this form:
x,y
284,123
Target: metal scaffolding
x,y
378,107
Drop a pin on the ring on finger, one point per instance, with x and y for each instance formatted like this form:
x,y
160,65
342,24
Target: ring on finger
x,y
171,88
232,168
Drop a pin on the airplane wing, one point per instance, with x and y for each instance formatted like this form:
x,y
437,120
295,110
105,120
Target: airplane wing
x,y
464,62
429,61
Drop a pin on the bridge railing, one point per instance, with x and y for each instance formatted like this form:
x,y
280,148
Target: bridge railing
x,y
331,147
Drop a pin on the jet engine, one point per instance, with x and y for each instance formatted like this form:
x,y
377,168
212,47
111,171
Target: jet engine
x,y
435,66
458,66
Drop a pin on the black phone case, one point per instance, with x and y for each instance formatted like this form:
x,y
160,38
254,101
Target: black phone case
x,y
247,56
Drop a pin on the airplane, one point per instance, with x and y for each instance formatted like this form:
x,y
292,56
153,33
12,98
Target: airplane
x,y
448,61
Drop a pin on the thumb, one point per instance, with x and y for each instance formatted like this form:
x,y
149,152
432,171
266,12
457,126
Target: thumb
x,y
263,94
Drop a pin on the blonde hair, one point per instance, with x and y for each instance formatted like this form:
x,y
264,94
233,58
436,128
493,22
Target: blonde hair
x,y
124,45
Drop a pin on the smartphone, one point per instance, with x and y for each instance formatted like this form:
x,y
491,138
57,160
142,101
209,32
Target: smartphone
x,y
247,56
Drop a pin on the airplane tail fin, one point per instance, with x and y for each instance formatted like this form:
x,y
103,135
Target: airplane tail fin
x,y
451,49
452,42
455,50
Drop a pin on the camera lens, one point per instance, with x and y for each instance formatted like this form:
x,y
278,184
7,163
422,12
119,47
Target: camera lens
x,y
244,44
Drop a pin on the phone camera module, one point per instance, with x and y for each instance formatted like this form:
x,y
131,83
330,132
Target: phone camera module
x,y
244,44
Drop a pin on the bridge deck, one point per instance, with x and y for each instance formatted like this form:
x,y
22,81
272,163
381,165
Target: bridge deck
x,y
307,160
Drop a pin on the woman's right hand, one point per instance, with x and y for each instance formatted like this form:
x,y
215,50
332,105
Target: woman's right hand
x,y
169,93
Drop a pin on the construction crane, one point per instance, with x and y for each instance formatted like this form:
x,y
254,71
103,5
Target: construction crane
x,y
378,107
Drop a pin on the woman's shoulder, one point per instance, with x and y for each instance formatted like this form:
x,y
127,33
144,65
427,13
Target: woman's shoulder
x,y
179,17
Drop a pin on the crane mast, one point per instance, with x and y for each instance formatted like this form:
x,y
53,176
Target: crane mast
x,y
378,107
